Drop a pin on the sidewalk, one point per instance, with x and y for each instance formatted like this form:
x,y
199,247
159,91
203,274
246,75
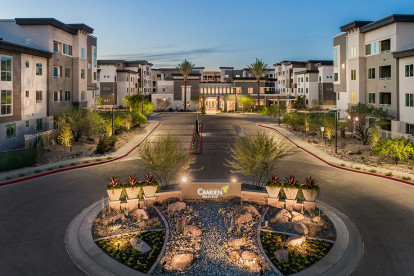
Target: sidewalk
x,y
80,162
336,161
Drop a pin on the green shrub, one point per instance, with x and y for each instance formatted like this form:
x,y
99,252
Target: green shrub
x,y
73,164
21,174
343,165
49,169
388,174
138,118
61,166
397,149
86,161
9,177
357,168
373,170
98,159
106,144
109,157
406,178
37,171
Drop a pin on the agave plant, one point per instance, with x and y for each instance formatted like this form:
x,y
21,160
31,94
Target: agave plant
x,y
114,181
291,181
149,179
132,180
310,182
274,179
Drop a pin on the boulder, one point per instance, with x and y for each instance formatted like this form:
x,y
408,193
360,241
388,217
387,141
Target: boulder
x,y
181,261
243,218
295,240
301,228
283,216
297,216
177,206
193,230
282,256
113,219
248,255
140,245
140,213
236,243
247,208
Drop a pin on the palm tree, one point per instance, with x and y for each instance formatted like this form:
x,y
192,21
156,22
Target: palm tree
x,y
185,68
258,68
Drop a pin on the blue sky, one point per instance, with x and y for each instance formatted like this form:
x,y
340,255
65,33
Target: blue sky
x,y
210,33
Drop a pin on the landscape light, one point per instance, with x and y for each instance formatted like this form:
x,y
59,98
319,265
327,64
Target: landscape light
x,y
184,179
234,179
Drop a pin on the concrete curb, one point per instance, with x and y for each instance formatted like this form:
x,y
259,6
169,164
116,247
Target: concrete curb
x,y
333,165
164,246
344,255
80,166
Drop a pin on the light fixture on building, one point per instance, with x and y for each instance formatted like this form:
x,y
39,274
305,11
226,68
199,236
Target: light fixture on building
x,y
234,179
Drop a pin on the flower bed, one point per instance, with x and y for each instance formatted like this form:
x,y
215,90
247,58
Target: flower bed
x,y
300,257
120,249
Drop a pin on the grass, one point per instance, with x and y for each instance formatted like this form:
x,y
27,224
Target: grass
x,y
61,166
343,165
86,162
21,174
109,157
37,171
49,169
357,168
73,164
388,174
373,170
98,159
406,178
8,177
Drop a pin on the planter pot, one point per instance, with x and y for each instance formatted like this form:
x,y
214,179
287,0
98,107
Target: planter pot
x,y
273,192
291,193
149,191
114,194
133,192
309,195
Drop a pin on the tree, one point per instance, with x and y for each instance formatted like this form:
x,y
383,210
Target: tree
x,y
65,135
133,101
94,123
163,103
258,68
165,158
273,112
300,102
185,68
398,149
256,156
366,117
295,120
246,102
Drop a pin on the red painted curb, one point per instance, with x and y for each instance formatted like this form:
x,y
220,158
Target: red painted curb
x,y
199,142
80,166
336,166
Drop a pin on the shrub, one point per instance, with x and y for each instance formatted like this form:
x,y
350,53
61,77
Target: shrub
x,y
398,149
65,135
138,118
357,168
406,178
106,144
274,181
373,170
37,171
388,174
310,184
343,165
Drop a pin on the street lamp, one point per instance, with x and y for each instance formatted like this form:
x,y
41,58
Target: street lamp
x,y
336,128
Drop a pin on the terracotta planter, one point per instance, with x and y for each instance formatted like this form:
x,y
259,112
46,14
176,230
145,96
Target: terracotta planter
x,y
273,192
149,191
291,193
114,194
133,192
309,195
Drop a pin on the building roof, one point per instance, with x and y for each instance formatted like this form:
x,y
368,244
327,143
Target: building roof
x,y
387,20
354,24
326,63
143,62
4,45
306,72
403,53
322,62
126,71
70,28
110,61
224,67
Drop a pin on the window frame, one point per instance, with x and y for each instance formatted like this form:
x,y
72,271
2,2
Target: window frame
x,y
8,106
409,100
6,75
8,128
39,96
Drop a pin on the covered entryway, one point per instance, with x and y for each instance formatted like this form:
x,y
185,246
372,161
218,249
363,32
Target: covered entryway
x,y
211,104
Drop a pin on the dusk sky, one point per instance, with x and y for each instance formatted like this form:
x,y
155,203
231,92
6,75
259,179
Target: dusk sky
x,y
210,33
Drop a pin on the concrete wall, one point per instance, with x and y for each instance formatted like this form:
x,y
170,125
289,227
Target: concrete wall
x,y
406,85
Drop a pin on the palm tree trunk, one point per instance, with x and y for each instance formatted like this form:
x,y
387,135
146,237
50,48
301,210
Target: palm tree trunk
x,y
258,94
185,93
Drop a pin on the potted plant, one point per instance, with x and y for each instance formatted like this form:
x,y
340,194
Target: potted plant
x,y
132,189
114,189
310,190
291,188
273,186
149,186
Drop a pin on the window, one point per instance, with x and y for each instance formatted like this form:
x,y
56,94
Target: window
x,y
82,95
127,89
69,50
409,99
39,125
39,96
337,94
82,74
27,124
368,49
65,48
57,72
27,94
320,79
385,72
94,75
353,97
94,57
409,69
10,131
335,57
374,48
353,51
385,98
371,73
67,72
307,90
335,76
55,47
307,79
409,129
6,69
39,69
353,74
27,64
6,102
371,98
301,79
57,96
82,52
67,96
386,45
127,78
250,90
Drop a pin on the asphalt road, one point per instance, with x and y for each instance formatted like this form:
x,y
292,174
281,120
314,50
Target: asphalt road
x,y
34,214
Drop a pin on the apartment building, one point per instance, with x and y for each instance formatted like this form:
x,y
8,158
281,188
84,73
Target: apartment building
x,y
365,68
72,69
23,87
285,73
326,94
117,79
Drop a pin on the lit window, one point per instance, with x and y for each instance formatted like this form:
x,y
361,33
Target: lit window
x,y
353,74
6,69
6,102
353,97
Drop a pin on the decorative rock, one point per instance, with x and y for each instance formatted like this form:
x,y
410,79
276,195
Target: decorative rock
x,y
248,255
177,207
236,243
243,218
301,228
295,240
283,216
113,219
247,208
140,213
193,231
140,245
181,261
297,216
282,256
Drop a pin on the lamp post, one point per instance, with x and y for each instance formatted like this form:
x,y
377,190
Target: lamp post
x,y
336,128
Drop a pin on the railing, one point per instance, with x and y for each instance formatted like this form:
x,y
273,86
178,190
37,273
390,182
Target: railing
x,y
393,135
